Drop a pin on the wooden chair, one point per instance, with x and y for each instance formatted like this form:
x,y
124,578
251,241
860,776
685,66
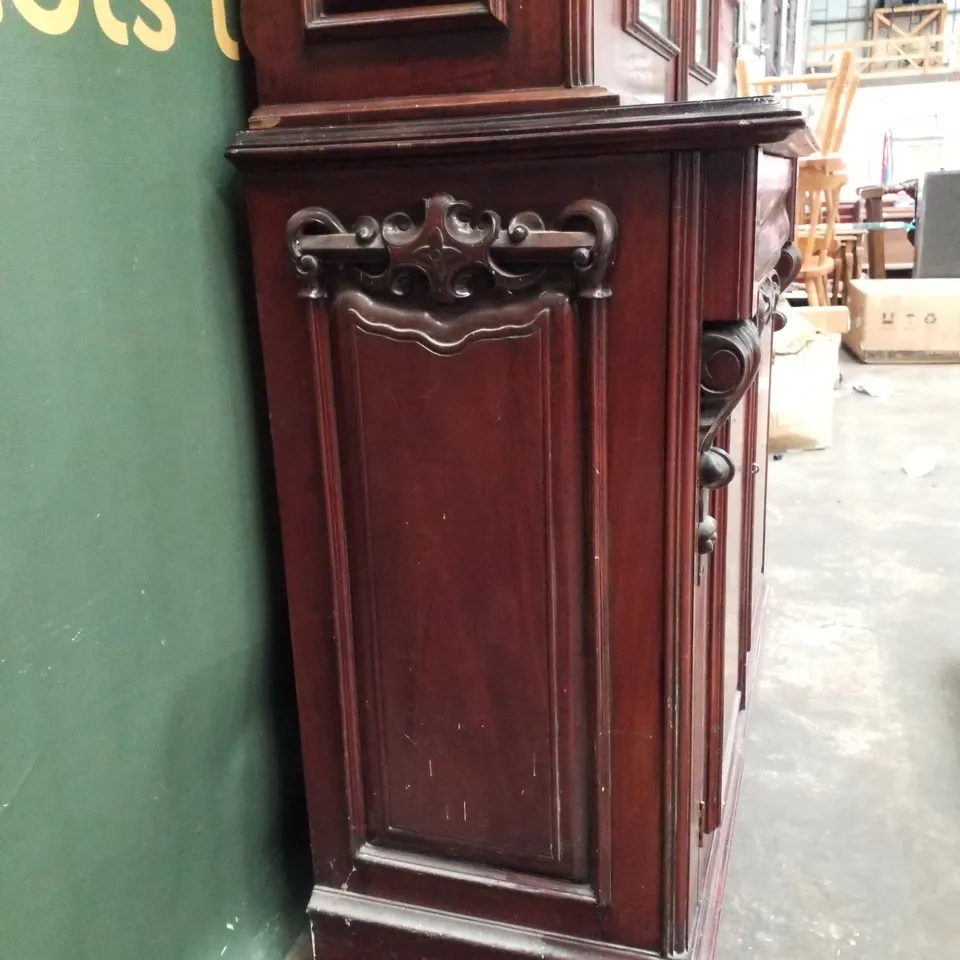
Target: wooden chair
x,y
839,89
820,176
818,201
832,122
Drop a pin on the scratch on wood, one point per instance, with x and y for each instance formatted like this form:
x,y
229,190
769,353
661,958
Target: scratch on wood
x,y
346,883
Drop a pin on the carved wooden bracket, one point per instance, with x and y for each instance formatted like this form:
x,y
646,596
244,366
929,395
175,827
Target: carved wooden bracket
x,y
729,360
448,256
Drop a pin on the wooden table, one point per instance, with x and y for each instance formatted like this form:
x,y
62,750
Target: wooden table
x,y
847,257
849,234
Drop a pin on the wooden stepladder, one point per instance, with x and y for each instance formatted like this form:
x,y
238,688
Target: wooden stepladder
x,y
912,33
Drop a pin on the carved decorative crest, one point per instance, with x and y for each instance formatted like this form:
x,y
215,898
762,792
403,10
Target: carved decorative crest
x,y
448,255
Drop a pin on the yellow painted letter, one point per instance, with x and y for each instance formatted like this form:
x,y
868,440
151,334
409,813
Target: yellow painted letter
x,y
56,21
161,38
228,46
113,29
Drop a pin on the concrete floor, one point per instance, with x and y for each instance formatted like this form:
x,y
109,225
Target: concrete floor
x,y
848,834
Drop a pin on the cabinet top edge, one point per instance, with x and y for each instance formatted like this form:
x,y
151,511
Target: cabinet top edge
x,y
698,125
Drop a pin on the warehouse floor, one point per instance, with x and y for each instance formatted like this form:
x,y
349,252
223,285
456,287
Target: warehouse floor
x,y
848,832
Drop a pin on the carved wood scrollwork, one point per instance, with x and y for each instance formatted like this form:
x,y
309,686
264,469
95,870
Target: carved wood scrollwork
x,y
729,360
768,294
448,256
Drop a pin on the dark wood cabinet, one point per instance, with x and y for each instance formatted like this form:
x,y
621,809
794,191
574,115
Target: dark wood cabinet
x,y
517,344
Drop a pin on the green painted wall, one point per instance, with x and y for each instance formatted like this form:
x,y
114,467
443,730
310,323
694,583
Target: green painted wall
x,y
150,794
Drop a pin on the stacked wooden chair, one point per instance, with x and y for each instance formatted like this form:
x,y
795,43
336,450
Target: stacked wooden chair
x,y
820,176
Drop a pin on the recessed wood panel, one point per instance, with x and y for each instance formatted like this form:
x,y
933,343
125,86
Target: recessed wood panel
x,y
462,463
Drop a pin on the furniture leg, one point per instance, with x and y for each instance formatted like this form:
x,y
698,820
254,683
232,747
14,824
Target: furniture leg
x,y
876,262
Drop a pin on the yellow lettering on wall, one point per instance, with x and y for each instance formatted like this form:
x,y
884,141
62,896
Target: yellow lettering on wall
x,y
113,29
157,38
228,46
56,21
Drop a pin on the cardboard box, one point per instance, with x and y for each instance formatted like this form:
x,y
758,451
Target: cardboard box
x,y
904,321
806,369
825,319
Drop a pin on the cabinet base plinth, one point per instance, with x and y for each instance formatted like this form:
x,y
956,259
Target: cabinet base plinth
x,y
350,926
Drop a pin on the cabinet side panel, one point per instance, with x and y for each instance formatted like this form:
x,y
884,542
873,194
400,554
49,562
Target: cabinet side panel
x,y
638,369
